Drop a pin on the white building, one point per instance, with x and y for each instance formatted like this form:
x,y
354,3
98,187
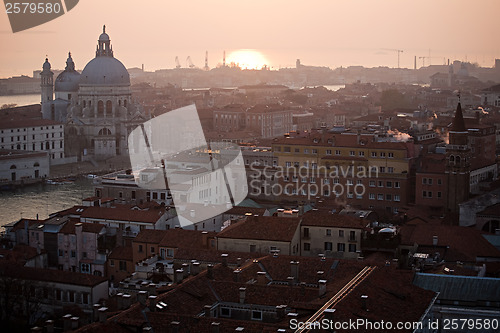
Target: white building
x,y
22,167
36,135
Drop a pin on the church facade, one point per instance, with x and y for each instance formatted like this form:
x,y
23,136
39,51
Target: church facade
x,y
96,105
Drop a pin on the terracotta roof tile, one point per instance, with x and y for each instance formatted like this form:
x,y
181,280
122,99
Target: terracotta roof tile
x,y
122,253
263,228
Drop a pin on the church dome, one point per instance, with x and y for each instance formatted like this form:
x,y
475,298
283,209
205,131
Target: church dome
x,y
46,65
105,69
69,79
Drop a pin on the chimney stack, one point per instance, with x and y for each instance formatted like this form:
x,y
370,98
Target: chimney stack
x,y
322,287
74,322
208,311
142,296
238,262
95,312
152,289
67,322
329,314
195,268
261,277
294,266
210,271
127,300
364,302
185,268
236,275
242,295
103,315
152,302
224,259
215,327
49,326
434,240
175,326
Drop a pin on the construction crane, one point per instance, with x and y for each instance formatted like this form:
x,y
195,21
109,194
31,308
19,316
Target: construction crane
x,y
396,50
177,63
189,62
206,62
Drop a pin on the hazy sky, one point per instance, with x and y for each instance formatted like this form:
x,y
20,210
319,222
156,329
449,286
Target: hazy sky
x,y
319,32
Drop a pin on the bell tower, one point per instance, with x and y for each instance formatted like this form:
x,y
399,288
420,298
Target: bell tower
x,y
457,162
47,85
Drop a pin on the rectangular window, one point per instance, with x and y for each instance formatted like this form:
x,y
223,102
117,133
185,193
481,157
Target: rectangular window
x,y
307,246
341,247
397,197
361,153
388,184
439,181
429,181
352,153
380,196
341,233
388,197
380,183
391,155
424,181
371,196
352,235
352,247
337,152
328,151
372,183
328,246
328,232
381,169
396,185
73,253
374,154
390,170
256,315
140,248
314,151
439,194
306,232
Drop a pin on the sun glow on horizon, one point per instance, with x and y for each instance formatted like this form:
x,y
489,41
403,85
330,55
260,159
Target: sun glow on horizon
x,y
247,59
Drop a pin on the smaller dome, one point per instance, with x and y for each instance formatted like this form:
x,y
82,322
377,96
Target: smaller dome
x,y
104,37
46,65
69,79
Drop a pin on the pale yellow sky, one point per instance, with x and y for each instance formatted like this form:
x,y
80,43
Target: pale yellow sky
x,y
319,32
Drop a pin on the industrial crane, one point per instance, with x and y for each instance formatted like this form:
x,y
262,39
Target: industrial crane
x,y
396,50
189,62
177,63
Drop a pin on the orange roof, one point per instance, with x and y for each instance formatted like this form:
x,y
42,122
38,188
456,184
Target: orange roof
x,y
271,228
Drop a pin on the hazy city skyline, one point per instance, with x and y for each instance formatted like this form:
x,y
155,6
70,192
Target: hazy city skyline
x,y
320,33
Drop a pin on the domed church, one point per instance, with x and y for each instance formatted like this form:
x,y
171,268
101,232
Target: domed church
x,y
96,104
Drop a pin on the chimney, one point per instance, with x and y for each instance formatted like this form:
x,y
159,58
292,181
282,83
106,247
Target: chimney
x,y
322,287
152,289
103,315
210,271
261,278
280,311
195,268
175,326
152,302
36,329
229,205
179,273
67,322
224,259
207,309
119,301
142,296
329,314
290,280
236,275
127,300
192,213
185,268
295,270
49,326
215,327
242,295
205,203
238,261
434,240
364,302
74,322
95,311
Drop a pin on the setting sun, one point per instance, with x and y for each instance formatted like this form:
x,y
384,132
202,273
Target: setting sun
x,y
247,59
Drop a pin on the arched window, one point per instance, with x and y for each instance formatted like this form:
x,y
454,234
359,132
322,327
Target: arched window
x,y
100,108
90,104
47,145
109,106
18,147
452,158
125,103
457,160
13,166
84,103
104,131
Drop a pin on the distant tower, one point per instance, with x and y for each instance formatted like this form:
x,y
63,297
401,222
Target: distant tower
x,y
206,61
224,59
457,162
47,85
297,63
450,76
